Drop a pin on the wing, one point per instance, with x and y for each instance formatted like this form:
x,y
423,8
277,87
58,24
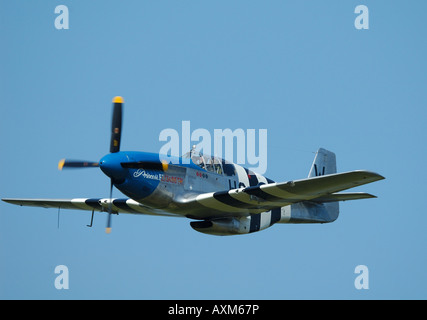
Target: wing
x,y
235,202
90,204
261,198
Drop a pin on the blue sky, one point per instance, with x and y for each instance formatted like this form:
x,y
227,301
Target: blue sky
x,y
297,68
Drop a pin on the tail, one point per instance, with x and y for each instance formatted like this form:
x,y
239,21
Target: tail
x,y
326,208
325,163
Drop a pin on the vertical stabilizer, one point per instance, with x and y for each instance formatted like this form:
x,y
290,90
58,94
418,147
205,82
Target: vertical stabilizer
x,y
324,163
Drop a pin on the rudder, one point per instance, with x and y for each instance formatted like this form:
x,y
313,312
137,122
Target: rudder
x,y
324,163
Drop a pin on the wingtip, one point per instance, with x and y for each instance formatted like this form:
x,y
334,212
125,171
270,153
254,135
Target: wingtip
x,y
371,174
378,176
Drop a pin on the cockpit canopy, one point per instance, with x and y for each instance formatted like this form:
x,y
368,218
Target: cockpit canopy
x,y
210,163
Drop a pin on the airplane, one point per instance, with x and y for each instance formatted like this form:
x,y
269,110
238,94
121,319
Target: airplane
x,y
222,198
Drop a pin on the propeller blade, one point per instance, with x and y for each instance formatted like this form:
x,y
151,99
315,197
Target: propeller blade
x,y
116,133
64,163
147,165
108,228
116,127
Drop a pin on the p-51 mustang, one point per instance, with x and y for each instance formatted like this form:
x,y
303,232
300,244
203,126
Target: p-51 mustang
x,y
223,198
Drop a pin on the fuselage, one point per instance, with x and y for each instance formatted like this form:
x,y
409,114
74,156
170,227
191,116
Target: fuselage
x,y
185,178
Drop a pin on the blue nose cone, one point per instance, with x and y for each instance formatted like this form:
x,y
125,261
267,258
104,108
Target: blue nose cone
x,y
111,166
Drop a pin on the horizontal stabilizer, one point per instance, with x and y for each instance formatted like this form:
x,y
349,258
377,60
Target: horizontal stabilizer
x,y
344,197
312,188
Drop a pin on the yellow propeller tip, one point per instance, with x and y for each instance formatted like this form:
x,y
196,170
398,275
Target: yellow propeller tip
x,y
118,99
61,164
107,230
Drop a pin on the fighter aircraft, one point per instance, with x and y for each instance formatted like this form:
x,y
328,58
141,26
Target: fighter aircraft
x,y
222,198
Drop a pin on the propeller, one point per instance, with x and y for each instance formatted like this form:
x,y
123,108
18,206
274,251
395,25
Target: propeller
x,y
108,228
64,163
116,126
116,132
